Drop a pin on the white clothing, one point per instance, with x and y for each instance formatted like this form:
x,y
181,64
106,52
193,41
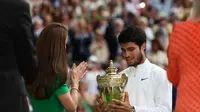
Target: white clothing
x,y
159,58
148,88
90,79
99,51
150,37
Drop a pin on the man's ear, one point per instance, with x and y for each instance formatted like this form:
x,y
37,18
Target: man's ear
x,y
143,47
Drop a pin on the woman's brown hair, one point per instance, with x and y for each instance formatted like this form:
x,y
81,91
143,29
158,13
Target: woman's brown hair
x,y
52,62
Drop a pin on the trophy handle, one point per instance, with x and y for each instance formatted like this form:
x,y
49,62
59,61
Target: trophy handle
x,y
125,80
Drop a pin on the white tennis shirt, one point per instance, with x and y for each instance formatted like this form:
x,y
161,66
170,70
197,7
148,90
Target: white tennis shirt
x,y
148,88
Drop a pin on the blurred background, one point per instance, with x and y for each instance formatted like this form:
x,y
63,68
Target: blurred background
x,y
94,26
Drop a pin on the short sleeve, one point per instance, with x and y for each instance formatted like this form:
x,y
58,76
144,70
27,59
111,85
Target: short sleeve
x,y
62,90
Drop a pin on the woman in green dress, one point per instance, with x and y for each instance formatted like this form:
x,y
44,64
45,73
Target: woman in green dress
x,y
48,90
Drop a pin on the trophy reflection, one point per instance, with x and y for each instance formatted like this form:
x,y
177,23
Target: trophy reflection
x,y
111,85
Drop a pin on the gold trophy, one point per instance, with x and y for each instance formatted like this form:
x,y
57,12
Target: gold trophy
x,y
112,85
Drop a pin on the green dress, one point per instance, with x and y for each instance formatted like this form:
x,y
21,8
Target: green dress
x,y
52,104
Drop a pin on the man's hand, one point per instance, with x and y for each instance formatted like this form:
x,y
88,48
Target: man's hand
x,y
101,106
121,106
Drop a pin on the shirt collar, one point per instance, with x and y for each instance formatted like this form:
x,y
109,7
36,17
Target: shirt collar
x,y
142,66
146,62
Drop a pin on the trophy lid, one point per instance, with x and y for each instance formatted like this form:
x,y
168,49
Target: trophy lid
x,y
111,78
111,70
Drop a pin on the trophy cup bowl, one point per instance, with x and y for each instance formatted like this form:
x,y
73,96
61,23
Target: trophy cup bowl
x,y
111,84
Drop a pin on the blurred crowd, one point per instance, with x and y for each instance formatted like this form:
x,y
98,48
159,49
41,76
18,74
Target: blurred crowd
x,y
94,26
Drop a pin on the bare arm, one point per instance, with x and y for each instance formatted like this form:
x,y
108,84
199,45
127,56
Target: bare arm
x,y
70,100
